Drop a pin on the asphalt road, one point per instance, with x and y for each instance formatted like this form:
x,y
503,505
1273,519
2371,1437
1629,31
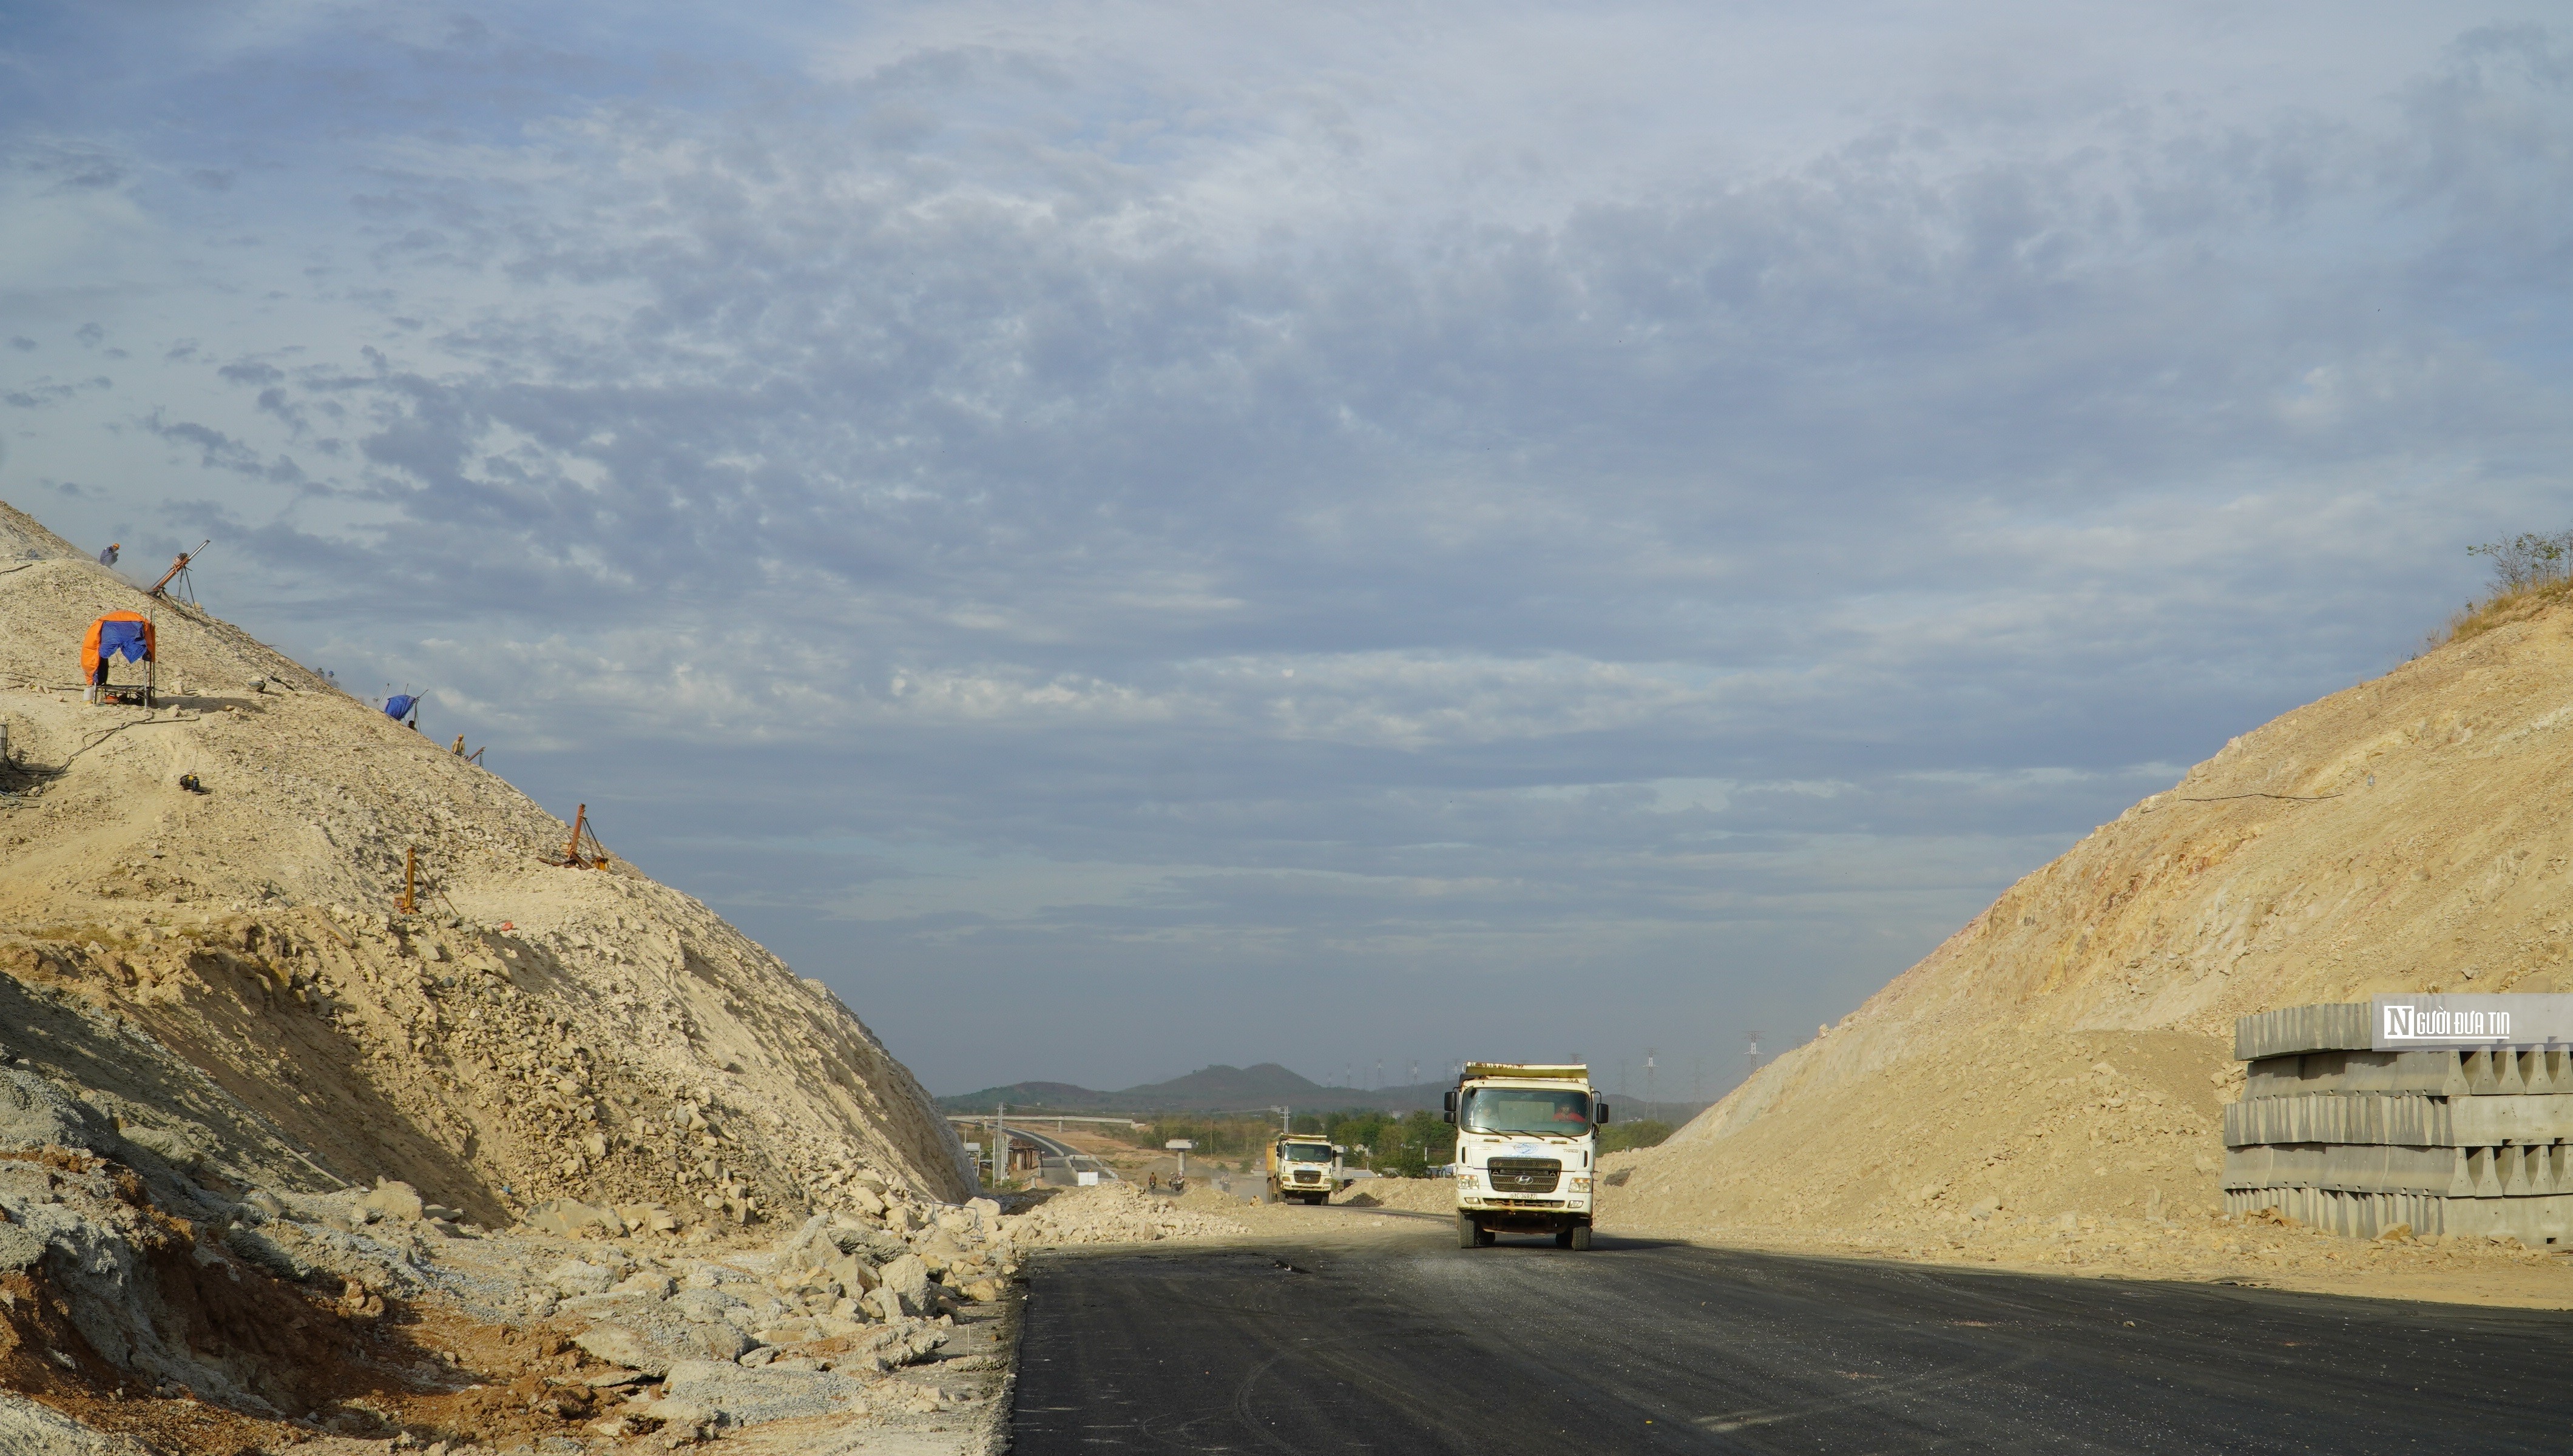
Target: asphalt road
x,y
1053,1147
1403,1342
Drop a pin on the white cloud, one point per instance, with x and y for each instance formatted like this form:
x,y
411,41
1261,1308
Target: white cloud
x,y
1456,493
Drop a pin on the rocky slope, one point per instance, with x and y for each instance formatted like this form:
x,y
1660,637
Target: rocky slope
x,y
2069,1050
211,995
535,1032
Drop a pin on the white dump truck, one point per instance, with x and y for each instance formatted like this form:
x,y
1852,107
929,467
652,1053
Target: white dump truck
x,y
1304,1167
1527,1150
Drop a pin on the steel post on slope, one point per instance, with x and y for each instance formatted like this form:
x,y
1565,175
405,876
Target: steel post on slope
x,y
1000,1142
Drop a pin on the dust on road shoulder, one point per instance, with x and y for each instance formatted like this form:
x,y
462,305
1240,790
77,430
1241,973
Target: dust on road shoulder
x,y
2247,1250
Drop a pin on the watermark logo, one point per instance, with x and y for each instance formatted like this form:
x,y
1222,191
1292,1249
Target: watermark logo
x,y
2437,1023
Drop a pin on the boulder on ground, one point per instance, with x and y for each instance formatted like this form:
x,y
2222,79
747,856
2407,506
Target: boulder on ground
x,y
908,1278
175,1148
618,1345
20,1248
651,1340
722,1340
802,1248
29,1429
745,1397
853,1275
571,1219
34,1112
648,1281
394,1200
573,1278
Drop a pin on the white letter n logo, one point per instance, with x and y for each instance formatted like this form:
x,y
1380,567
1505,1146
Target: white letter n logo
x,y
2398,1023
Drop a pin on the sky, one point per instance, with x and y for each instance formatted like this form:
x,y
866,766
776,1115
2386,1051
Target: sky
x,y
1131,535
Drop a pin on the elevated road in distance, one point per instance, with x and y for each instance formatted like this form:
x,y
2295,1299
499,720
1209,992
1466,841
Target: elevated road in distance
x,y
1400,1342
1049,1147
1053,1150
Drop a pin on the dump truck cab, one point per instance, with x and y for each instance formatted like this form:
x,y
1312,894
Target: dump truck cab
x,y
1528,1150
1304,1167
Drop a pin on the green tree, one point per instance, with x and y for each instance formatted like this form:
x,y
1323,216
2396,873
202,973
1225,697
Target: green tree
x,y
2528,559
1641,1133
1420,1142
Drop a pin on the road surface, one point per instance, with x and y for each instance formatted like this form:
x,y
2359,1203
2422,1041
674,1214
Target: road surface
x,y
1049,1147
1401,1342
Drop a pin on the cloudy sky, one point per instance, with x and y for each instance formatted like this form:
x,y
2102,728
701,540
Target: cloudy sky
x,y
1129,535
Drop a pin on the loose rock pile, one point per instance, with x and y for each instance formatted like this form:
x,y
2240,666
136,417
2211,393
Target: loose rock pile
x,y
1115,1213
252,1109
136,1302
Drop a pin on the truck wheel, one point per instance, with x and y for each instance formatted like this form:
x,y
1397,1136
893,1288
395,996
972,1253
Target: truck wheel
x,y
1563,1238
1467,1235
1578,1236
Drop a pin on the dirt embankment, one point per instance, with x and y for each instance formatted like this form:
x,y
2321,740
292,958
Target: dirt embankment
x,y
2067,1052
204,956
534,1032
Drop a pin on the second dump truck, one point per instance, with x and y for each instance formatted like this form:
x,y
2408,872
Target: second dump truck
x,y
1528,1150
1302,1169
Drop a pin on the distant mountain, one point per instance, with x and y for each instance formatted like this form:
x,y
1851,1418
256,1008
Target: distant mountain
x,y
1223,1088
1233,1087
1215,1089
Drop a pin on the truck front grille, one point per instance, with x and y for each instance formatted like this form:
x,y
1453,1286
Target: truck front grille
x,y
1308,1175
1524,1175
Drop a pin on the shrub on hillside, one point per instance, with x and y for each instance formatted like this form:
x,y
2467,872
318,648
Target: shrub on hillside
x,y
2528,570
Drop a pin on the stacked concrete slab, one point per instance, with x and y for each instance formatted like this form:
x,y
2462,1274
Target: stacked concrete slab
x,y
2356,1140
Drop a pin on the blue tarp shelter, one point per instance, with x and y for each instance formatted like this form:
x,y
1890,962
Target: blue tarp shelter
x,y
118,634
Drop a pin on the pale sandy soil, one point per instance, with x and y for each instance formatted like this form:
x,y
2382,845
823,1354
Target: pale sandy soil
x,y
2068,1051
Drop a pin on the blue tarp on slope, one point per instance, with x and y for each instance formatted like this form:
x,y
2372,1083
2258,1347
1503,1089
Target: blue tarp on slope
x,y
121,639
399,706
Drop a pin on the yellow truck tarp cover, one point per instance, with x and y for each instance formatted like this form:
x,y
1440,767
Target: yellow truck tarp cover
x,y
1530,1070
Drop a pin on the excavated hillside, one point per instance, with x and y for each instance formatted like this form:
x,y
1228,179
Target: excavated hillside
x,y
2065,1055
228,975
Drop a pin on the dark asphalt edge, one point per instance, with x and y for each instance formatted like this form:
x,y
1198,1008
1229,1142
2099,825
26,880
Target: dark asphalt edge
x,y
1001,1419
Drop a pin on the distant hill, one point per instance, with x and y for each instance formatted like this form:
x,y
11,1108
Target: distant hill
x,y
1217,1088
1223,1088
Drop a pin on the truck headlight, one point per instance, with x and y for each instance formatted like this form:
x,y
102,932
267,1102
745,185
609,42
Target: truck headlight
x,y
1465,1180
1580,1184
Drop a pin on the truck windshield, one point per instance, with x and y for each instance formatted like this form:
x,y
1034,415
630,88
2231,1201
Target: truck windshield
x,y
1527,1110
1308,1153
